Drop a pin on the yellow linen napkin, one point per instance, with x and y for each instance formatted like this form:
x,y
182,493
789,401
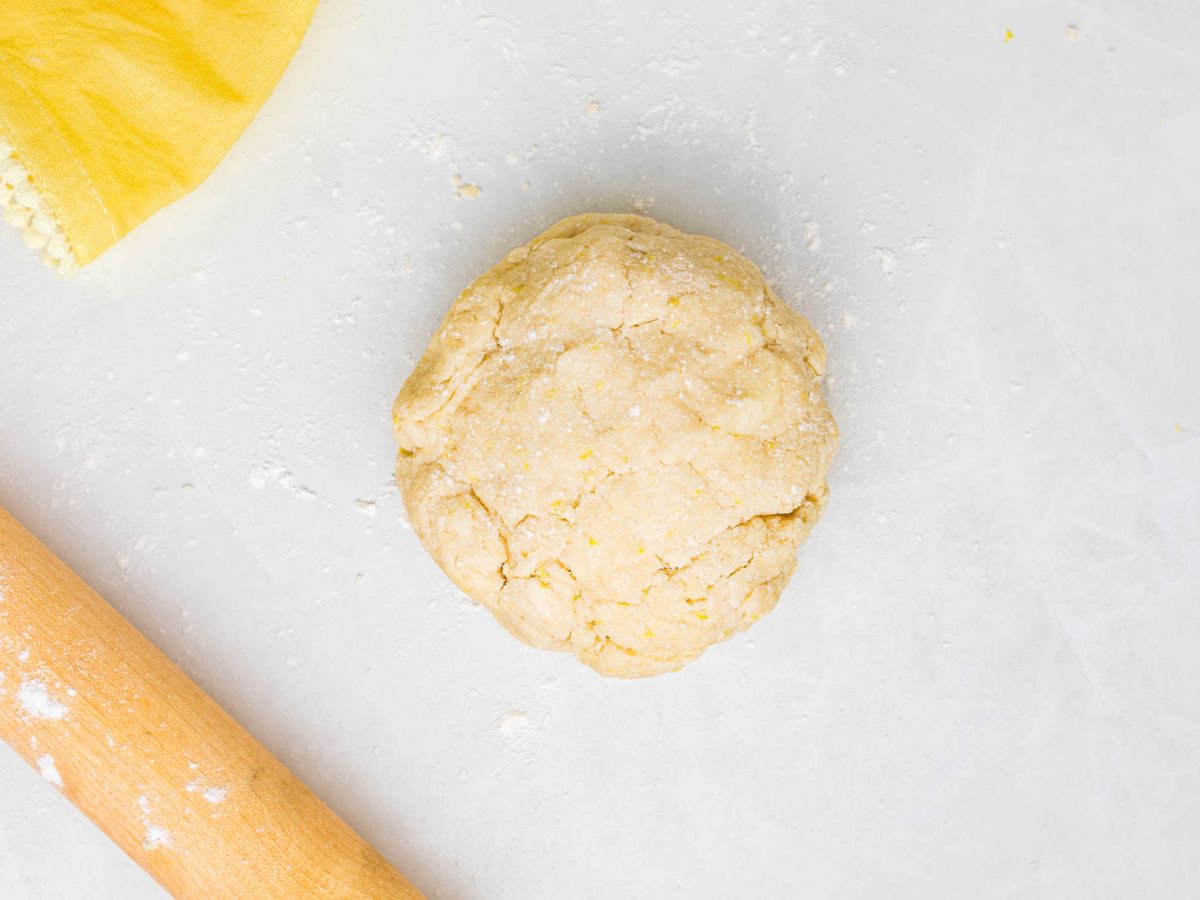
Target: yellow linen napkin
x,y
111,109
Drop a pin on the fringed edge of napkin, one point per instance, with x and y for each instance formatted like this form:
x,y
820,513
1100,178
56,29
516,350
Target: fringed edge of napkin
x,y
25,208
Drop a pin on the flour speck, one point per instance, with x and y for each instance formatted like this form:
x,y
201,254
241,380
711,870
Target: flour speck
x,y
213,795
513,722
643,204
812,236
156,836
35,700
49,771
273,473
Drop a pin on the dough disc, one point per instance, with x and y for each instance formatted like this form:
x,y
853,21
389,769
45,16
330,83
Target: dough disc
x,y
616,442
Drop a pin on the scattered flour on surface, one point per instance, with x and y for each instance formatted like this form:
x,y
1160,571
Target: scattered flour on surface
x,y
36,701
434,147
513,722
812,236
49,771
642,204
273,473
748,126
887,260
674,67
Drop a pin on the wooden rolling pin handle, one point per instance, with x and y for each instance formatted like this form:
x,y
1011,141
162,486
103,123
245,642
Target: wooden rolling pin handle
x,y
153,760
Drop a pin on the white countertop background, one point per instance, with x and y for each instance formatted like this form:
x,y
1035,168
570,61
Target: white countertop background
x,y
984,679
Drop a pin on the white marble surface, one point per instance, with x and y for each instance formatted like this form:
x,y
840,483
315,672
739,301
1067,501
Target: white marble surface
x,y
984,680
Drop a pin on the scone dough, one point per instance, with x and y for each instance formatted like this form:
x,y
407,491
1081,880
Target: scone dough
x,y
616,442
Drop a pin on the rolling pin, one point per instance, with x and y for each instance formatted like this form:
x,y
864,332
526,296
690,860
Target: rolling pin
x,y
153,760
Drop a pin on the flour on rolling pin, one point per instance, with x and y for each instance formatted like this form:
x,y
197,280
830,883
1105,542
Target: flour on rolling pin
x,y
45,764
156,835
36,701
150,758
213,795
33,696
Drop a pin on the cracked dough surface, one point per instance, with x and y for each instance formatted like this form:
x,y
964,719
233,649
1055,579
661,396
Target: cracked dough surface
x,y
616,442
